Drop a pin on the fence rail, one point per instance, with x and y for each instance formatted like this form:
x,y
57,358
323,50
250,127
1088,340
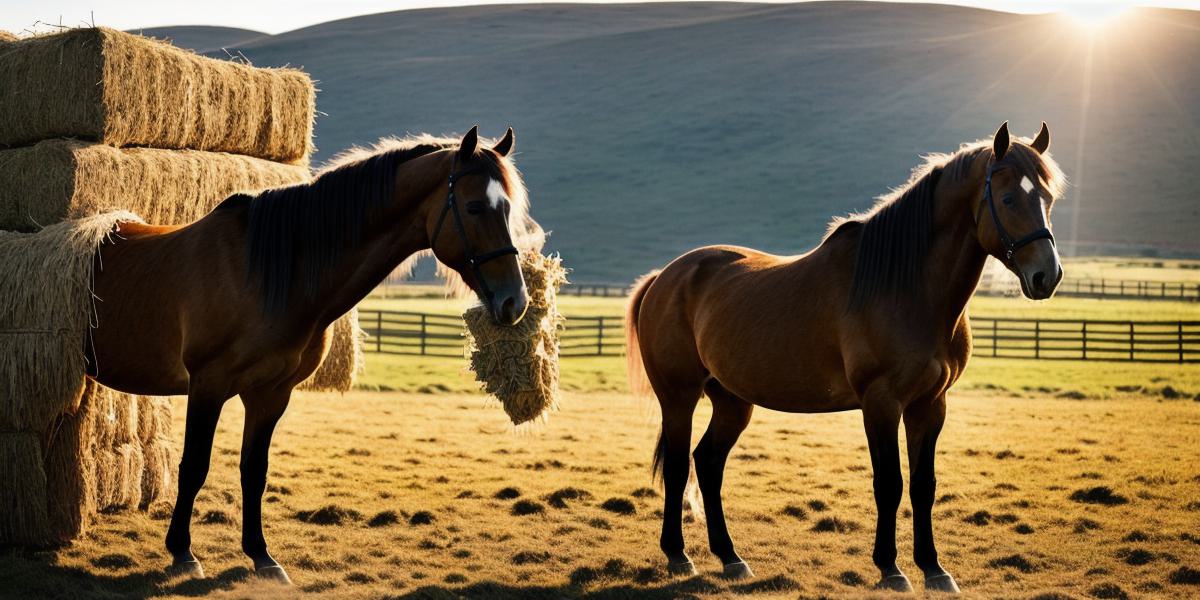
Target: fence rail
x,y
422,334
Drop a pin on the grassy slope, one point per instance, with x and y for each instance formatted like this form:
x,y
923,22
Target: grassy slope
x,y
204,38
645,130
1005,523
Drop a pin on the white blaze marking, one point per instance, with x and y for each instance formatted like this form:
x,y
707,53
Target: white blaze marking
x,y
1026,185
495,193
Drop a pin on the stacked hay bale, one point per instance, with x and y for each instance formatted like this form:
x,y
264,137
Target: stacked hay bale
x,y
95,120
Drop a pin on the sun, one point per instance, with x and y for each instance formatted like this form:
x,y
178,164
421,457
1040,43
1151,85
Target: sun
x,y
1094,15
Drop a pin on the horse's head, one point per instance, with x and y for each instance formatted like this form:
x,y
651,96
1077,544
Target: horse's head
x,y
1012,219
470,231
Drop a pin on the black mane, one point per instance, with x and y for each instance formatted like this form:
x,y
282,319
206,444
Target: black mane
x,y
892,242
298,233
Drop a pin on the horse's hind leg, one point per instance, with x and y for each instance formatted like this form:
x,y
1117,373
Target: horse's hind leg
x,y
678,397
263,409
203,412
922,423
730,417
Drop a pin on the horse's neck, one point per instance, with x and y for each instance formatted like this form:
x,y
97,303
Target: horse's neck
x,y
384,245
955,261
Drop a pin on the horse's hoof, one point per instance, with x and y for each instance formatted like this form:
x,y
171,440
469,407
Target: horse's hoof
x,y
738,570
273,573
685,568
941,583
896,583
186,568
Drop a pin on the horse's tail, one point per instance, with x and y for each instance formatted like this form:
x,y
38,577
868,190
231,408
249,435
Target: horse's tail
x,y
639,384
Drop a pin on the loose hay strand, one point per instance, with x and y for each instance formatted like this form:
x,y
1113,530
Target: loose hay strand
x,y
519,364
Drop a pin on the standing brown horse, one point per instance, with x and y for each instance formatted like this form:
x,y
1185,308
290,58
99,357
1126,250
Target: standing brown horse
x,y
873,319
238,302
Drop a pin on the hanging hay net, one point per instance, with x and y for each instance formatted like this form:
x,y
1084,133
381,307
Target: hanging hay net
x,y
519,364
68,179
122,89
45,292
344,361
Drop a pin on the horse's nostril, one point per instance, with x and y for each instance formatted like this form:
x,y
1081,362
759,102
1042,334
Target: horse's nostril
x,y
1039,280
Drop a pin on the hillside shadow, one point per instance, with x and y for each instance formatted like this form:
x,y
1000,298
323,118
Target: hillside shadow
x,y
37,575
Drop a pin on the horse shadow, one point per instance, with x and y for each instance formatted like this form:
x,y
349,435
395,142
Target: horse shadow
x,y
37,574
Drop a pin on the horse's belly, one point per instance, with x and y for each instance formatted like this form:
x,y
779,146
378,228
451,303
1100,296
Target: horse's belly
x,y
784,379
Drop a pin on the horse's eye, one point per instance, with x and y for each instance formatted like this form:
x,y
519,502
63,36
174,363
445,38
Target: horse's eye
x,y
475,207
1008,199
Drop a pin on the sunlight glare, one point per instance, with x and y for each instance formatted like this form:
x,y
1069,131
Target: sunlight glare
x,y
1094,15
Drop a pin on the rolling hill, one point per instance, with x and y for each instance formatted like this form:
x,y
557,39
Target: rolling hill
x,y
647,129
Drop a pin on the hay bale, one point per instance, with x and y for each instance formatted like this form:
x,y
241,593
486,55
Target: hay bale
x,y
45,289
23,504
117,457
519,364
70,477
68,179
161,464
344,361
127,90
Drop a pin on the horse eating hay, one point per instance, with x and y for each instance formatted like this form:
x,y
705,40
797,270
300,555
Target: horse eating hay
x,y
518,364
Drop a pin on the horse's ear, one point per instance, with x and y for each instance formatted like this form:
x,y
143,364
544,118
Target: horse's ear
x,y
505,146
1001,142
1041,143
470,143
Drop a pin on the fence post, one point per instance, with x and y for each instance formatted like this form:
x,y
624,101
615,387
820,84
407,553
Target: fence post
x,y
600,336
423,330
995,339
1084,340
1179,331
1037,339
379,331
1131,340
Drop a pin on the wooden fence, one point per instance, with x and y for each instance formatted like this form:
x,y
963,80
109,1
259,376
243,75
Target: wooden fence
x,y
1064,339
421,334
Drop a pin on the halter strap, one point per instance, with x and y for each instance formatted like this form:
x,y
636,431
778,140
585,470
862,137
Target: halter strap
x,y
1010,245
451,207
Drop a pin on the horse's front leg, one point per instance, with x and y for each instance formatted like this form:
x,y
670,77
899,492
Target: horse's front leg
x,y
203,412
922,423
881,417
263,409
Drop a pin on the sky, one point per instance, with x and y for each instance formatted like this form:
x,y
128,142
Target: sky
x,y
276,16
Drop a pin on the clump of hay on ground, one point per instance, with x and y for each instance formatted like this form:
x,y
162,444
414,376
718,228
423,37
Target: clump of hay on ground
x,y
344,361
519,364
68,179
127,90
45,289
6,36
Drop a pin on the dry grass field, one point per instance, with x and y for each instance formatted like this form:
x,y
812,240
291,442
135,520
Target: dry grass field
x,y
394,495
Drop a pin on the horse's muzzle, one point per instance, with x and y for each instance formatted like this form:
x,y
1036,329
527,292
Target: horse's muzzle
x,y
508,308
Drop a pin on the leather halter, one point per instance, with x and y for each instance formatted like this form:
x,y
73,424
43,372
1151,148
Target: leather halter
x,y
1010,245
451,207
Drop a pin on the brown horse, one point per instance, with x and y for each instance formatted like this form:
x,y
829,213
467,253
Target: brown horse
x,y
873,319
238,303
